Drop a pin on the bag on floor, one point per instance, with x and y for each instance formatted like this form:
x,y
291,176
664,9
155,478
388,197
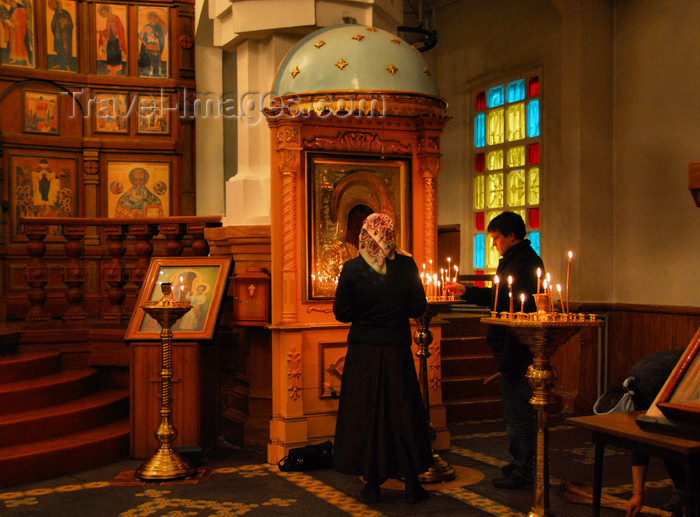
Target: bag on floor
x,y
615,400
309,457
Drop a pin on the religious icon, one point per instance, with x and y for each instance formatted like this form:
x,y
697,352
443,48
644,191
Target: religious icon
x,y
342,193
17,33
199,280
40,112
111,113
43,187
111,39
153,114
153,41
138,189
61,38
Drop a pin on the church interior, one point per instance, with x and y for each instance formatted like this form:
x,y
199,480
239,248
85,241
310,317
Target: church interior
x,y
219,154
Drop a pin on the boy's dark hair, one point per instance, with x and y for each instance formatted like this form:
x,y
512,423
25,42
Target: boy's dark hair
x,y
507,223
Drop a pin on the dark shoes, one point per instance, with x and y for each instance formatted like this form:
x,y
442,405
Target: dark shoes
x,y
512,481
416,494
370,493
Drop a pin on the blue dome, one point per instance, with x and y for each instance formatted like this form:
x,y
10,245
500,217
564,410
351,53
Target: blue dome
x,y
353,57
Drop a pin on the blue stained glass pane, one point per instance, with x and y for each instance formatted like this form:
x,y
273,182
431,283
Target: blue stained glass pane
x,y
496,96
479,250
480,130
535,241
516,91
533,118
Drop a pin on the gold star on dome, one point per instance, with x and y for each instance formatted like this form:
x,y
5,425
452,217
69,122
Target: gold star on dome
x,y
341,63
396,41
371,29
295,72
319,44
358,37
392,69
426,72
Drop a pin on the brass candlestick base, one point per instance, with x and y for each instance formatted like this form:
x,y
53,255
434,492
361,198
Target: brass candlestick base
x,y
440,471
166,463
542,337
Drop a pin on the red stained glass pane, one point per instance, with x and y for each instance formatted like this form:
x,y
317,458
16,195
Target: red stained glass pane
x,y
479,162
533,86
534,217
479,283
479,221
533,153
480,101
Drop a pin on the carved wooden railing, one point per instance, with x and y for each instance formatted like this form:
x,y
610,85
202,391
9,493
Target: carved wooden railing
x,y
123,248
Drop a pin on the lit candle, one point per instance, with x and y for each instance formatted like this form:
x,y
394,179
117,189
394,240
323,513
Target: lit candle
x,y
510,292
449,268
510,302
436,292
568,274
539,279
551,298
563,309
181,288
456,271
496,281
522,302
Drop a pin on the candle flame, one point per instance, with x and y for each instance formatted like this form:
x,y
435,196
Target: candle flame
x,y
559,287
522,297
571,255
496,279
549,278
539,273
510,280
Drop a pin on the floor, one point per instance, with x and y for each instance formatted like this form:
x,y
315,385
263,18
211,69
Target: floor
x,y
235,481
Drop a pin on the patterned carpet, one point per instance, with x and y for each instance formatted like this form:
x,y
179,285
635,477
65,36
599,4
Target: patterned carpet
x,y
234,481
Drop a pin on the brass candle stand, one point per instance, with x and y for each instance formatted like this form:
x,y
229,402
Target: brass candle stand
x,y
543,333
166,463
440,470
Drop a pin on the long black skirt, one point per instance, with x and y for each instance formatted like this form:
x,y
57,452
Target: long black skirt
x,y
382,426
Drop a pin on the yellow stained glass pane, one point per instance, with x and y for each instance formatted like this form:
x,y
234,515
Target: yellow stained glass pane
x,y
494,190
516,156
515,122
479,192
492,256
515,190
494,160
494,127
533,186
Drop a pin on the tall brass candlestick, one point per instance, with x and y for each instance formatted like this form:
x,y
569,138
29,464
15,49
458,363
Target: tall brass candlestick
x,y
441,470
543,338
166,463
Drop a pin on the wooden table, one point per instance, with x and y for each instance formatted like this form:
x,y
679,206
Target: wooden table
x,y
621,430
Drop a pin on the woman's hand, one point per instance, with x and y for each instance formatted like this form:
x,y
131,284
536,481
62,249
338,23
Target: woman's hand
x,y
634,505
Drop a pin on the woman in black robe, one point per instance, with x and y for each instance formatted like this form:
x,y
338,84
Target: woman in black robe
x,y
382,426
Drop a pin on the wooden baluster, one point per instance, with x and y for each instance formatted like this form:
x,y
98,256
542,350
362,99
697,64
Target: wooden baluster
x,y
37,273
115,273
174,232
144,250
74,272
200,246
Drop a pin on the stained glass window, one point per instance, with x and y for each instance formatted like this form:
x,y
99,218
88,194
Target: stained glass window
x,y
507,162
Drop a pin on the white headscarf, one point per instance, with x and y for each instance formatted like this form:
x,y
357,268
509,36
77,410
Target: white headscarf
x,y
377,241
